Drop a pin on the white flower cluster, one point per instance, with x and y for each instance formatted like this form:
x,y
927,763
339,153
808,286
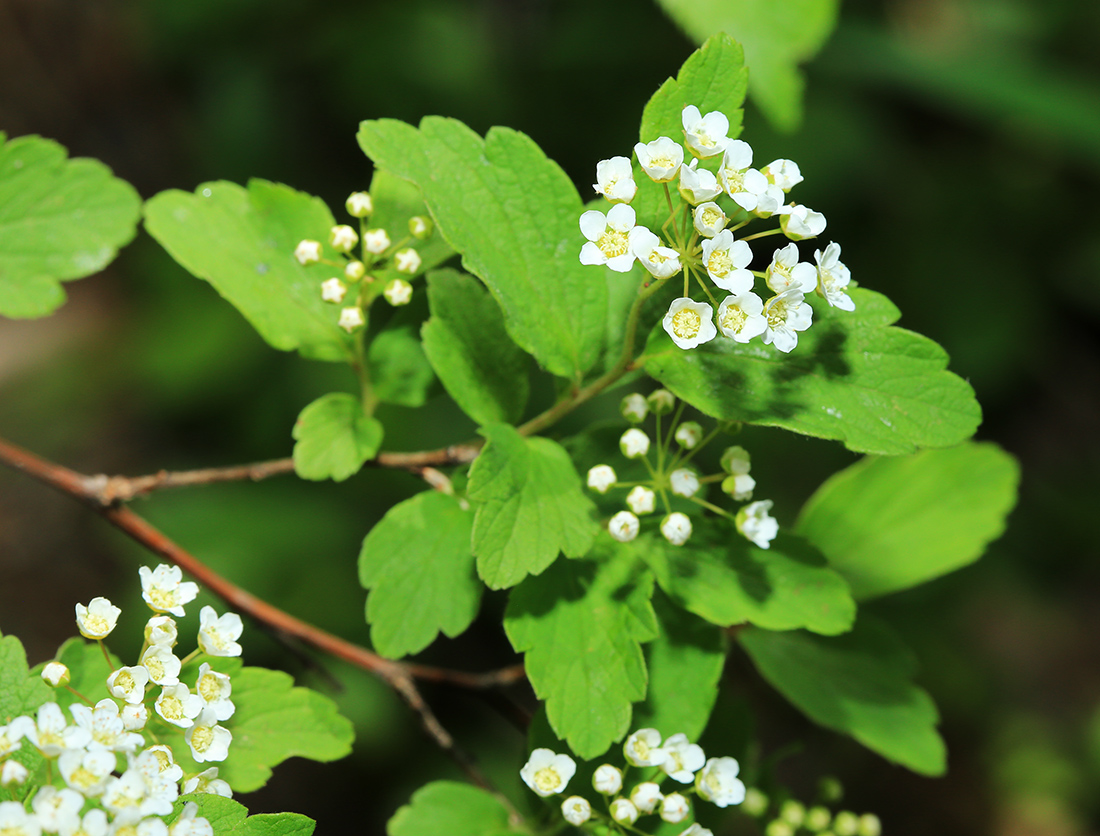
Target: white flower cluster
x,y
376,249
703,243
670,474
94,801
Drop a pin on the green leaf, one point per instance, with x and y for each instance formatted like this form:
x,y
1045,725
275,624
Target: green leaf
x,y
685,663
451,808
242,241
60,219
727,580
530,506
395,201
852,378
400,373
274,721
419,568
580,625
891,523
467,345
713,78
335,437
230,818
512,214
776,41
858,684
21,693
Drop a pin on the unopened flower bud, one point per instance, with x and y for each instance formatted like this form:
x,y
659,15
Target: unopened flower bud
x,y
688,435
342,238
869,825
13,773
830,790
634,408
736,460
420,227
756,524
359,204
376,241
56,674
601,478
634,443
308,252
646,796
684,482
333,290
641,500
739,487
778,827
661,401
354,271
607,779
818,818
675,808
576,810
398,292
134,717
623,526
846,823
351,318
793,812
756,802
676,528
623,811
407,260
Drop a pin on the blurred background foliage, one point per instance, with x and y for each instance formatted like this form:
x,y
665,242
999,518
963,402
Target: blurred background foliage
x,y
954,146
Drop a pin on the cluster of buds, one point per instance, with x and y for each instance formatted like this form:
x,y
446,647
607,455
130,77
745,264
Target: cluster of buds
x,y
149,703
671,473
792,817
699,236
376,250
711,779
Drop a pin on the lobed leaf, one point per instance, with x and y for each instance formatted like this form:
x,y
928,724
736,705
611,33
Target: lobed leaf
x,y
451,808
230,818
334,438
21,694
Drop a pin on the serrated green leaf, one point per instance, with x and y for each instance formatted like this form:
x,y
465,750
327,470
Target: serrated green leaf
x,y
242,241
891,523
22,693
275,720
451,808
852,377
713,78
775,41
530,506
858,684
400,372
334,438
60,219
230,818
725,579
580,625
469,348
419,568
512,214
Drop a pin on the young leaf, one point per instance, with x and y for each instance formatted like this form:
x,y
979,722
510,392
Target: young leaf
x,y
512,214
852,377
335,437
467,345
399,369
714,77
727,580
242,241
60,219
230,818
580,625
21,693
530,506
419,568
451,808
858,684
891,523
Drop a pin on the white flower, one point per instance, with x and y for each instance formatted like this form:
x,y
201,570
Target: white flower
x,y
660,262
641,500
208,740
376,241
689,434
98,619
308,252
697,185
786,271
601,478
615,179
660,159
12,734
745,185
786,315
547,773
798,222
354,270
623,526
676,528
739,486
159,769
689,323
576,810
134,717
607,779
16,821
351,318
783,173
164,589
684,759
646,796
609,237
623,811
342,238
55,674
407,260
87,772
725,261
359,204
643,748
162,665
208,781
833,277
177,705
661,401
128,799
94,823
161,629
333,290
56,808
634,408
421,228
13,773
718,782
705,136
709,219
51,734
755,524
675,808
104,724
398,292
190,823
634,443
741,317
218,636
697,830
128,683
214,688
770,202
684,482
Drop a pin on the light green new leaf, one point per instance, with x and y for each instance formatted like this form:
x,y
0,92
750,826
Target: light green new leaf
x,y
858,684
419,568
230,818
722,577
60,219
334,438
400,373
580,625
530,506
891,523
776,40
852,377
467,345
512,214
451,808
713,78
21,693
242,241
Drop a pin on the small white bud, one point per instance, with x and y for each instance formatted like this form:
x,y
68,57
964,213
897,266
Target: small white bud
x,y
407,260
623,811
333,290
661,401
736,460
846,823
398,292
134,717
55,674
688,435
376,241
359,204
756,802
607,779
817,818
755,524
308,252
342,238
634,443
634,408
601,478
793,812
420,227
800,222
676,528
646,796
641,500
684,482
740,487
351,318
869,825
778,827
623,526
12,773
354,271
675,808
576,810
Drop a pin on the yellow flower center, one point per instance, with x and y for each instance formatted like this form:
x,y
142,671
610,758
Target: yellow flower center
x,y
710,217
82,777
547,779
171,708
777,313
719,263
209,688
124,681
685,325
155,668
162,599
164,760
613,242
203,736
733,319
96,625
